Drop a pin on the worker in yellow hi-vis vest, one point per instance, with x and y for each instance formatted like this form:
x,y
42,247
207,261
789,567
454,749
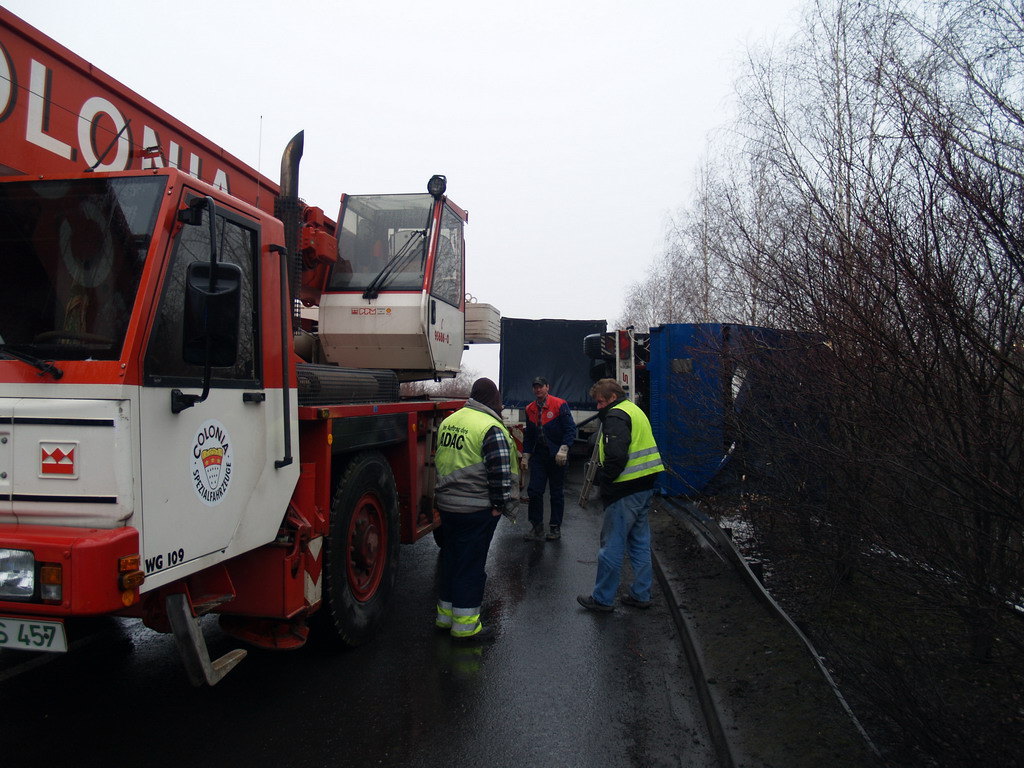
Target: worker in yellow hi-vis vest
x,y
629,467
477,482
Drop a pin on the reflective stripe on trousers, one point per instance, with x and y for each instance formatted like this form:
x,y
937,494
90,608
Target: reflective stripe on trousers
x,y
444,615
466,621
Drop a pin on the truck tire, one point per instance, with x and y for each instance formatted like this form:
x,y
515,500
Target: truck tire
x,y
361,557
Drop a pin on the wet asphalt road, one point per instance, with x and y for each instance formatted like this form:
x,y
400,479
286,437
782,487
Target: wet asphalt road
x,y
559,687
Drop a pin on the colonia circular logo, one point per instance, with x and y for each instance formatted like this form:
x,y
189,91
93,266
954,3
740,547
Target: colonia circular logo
x,y
211,462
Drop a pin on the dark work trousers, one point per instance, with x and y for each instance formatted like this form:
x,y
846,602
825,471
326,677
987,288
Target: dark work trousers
x,y
544,472
467,537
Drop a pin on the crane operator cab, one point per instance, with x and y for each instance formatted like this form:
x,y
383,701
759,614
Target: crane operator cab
x,y
395,297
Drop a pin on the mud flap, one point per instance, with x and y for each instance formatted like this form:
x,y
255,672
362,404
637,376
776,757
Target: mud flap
x,y
192,645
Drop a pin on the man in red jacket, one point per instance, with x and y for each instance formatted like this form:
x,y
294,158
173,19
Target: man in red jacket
x,y
550,433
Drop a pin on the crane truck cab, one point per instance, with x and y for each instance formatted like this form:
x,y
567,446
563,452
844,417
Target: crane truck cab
x,y
104,348
395,298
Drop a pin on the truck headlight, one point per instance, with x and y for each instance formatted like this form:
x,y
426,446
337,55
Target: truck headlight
x,y
17,573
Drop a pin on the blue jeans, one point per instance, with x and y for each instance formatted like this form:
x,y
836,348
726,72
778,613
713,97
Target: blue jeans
x,y
626,529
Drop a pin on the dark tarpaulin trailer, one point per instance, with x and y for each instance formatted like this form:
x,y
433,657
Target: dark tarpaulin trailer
x,y
549,348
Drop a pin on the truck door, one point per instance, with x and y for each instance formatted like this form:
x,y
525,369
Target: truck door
x,y
446,302
205,470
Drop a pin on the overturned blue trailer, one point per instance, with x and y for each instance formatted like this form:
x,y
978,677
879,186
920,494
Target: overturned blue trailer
x,y
717,391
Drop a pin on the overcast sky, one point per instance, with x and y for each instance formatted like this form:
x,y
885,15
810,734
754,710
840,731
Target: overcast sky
x,y
569,129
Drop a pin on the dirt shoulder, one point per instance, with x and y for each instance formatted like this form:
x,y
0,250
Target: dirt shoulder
x,y
777,706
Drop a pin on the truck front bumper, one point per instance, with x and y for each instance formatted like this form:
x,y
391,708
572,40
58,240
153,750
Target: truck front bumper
x,y
69,572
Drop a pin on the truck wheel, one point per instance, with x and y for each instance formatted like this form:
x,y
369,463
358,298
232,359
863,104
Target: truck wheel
x,y
361,557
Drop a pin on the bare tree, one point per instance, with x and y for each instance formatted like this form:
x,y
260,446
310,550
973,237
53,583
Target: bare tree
x,y
872,195
457,387
690,282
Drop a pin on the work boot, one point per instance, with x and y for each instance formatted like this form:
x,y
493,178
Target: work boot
x,y
485,635
536,533
588,602
628,599
554,533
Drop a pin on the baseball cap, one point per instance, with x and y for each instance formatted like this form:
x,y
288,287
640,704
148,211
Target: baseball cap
x,y
540,381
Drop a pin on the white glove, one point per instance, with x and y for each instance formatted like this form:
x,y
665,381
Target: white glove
x,y
524,461
562,456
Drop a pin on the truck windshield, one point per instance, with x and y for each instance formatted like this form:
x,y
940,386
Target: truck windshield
x,y
71,254
382,243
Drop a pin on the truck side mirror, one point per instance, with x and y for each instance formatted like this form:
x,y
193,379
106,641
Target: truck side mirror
x,y
213,308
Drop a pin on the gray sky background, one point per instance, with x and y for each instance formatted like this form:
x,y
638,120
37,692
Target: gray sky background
x,y
569,129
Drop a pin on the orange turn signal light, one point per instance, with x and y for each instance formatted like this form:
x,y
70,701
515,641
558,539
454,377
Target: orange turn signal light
x,y
132,579
51,574
51,582
131,575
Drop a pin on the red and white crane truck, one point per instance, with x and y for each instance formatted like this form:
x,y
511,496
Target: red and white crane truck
x,y
177,437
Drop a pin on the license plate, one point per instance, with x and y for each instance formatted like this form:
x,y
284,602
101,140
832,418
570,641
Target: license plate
x,y
32,635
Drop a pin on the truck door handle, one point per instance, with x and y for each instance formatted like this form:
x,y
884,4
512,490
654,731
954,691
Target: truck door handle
x,y
254,397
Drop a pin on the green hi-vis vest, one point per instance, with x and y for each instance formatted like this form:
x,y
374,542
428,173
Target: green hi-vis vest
x,y
461,474
644,457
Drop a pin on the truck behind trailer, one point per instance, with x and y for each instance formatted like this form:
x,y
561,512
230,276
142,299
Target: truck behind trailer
x,y
548,348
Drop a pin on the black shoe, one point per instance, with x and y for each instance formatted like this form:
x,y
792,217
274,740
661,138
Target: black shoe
x,y
485,635
535,534
628,599
554,533
588,602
